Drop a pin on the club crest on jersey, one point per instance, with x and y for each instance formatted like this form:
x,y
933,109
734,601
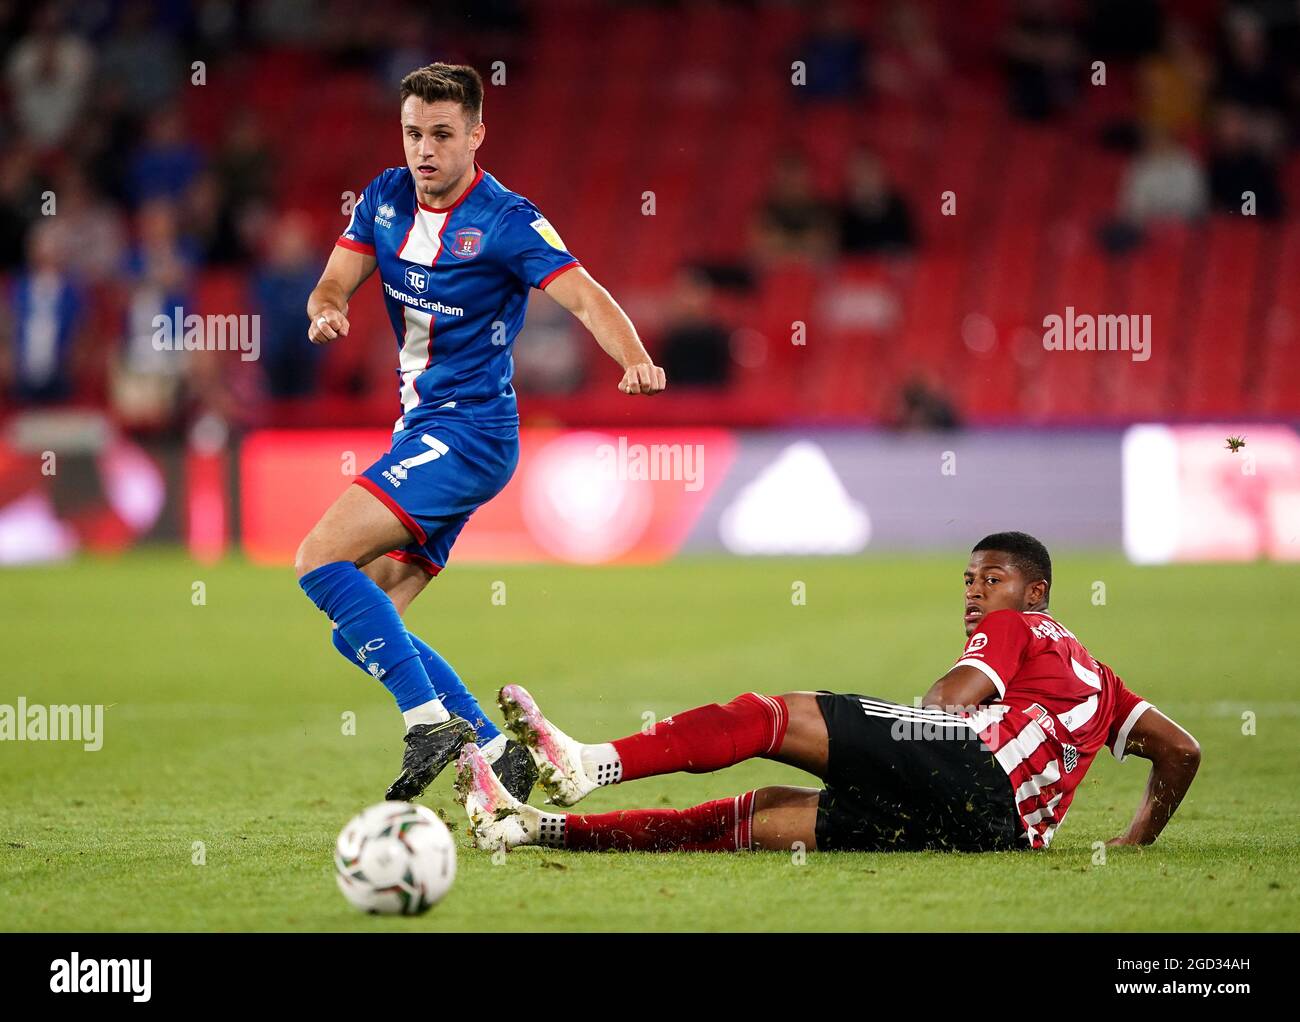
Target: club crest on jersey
x,y
467,243
384,215
417,280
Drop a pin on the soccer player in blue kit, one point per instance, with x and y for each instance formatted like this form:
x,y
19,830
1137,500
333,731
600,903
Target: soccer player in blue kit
x,y
457,254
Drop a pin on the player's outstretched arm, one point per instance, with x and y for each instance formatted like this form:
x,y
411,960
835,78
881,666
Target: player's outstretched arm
x,y
608,323
1175,757
960,690
327,307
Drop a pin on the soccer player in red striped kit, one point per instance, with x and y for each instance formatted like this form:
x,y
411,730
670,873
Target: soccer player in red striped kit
x,y
990,758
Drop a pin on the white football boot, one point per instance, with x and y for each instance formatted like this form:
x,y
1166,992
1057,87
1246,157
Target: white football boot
x,y
496,817
558,757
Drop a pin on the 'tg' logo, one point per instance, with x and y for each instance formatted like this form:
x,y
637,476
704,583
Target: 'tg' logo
x,y
416,280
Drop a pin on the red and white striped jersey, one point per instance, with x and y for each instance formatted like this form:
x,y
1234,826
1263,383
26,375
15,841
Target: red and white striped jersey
x,y
1056,707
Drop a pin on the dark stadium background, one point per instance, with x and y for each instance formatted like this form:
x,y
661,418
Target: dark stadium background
x,y
844,216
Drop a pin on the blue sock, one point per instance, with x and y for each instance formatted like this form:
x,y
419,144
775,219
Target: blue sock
x,y
446,682
367,620
452,691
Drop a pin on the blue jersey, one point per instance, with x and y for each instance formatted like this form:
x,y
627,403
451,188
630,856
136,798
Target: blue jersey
x,y
456,284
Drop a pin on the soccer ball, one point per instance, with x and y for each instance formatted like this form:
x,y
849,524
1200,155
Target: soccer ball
x,y
395,858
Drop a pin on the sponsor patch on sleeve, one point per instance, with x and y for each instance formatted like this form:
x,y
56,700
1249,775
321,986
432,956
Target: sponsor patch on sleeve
x,y
549,235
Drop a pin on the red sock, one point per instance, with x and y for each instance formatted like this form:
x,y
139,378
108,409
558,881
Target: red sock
x,y
723,826
707,738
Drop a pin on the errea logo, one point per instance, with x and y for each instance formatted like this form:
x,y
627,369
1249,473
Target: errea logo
x,y
417,280
384,215
395,474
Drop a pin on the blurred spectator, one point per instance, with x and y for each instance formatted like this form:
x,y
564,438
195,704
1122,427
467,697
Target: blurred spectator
x,y
912,64
1173,84
142,58
550,355
1164,182
792,221
20,204
1123,29
1248,125
48,74
303,22
411,50
244,163
210,223
145,380
234,205
217,26
1044,66
43,319
874,216
1243,160
95,236
836,56
695,347
12,17
361,43
290,364
111,136
168,161
922,405
1248,75
494,17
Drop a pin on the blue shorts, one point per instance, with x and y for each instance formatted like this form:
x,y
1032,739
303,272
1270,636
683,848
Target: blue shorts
x,y
436,474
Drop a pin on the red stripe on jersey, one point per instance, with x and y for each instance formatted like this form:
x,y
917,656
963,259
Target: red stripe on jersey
x,y
406,557
407,236
463,195
356,246
1035,778
541,285
445,221
393,506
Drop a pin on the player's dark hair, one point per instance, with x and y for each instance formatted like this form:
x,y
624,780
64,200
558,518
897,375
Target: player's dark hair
x,y
1028,555
458,83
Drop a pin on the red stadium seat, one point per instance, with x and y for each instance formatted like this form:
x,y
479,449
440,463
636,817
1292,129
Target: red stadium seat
x,y
1152,282
1277,340
1217,348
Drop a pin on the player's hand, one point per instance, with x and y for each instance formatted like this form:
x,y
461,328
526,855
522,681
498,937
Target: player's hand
x,y
643,378
327,326
1123,839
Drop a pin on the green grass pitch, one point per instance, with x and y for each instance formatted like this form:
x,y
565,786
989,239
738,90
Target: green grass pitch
x,y
225,725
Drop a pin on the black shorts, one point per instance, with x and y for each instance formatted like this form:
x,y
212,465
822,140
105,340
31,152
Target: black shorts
x,y
895,783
